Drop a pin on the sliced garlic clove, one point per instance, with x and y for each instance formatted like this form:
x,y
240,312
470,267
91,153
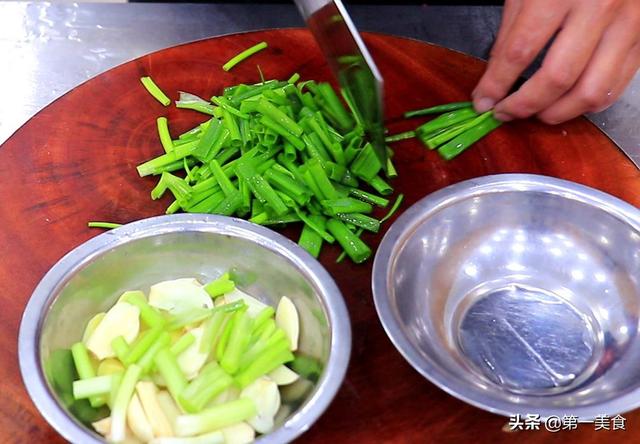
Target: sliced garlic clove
x,y
283,375
192,359
122,319
266,397
241,433
179,295
137,420
287,320
147,392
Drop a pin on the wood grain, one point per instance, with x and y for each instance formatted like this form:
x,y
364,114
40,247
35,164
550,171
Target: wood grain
x,y
75,161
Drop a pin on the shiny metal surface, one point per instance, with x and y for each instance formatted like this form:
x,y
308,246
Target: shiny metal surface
x,y
309,7
49,48
518,294
91,277
352,65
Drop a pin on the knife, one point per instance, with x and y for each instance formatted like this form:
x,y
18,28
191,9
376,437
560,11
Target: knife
x,y
351,63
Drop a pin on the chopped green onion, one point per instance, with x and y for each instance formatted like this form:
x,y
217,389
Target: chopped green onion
x,y
361,221
454,147
400,136
107,225
163,132
225,104
391,172
244,55
368,197
357,250
260,188
393,209
266,108
155,91
366,164
315,225
346,205
334,106
294,78
439,109
441,138
382,187
445,121
310,240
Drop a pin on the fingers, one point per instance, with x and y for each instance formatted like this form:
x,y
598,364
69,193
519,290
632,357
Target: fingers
x,y
630,69
610,69
596,90
565,61
510,11
535,23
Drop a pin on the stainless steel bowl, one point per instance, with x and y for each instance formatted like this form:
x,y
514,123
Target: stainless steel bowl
x,y
90,278
517,294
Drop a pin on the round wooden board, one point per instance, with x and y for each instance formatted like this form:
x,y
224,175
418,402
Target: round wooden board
x,y
75,161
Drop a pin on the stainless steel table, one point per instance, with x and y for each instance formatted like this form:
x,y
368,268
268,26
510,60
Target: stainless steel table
x,y
47,49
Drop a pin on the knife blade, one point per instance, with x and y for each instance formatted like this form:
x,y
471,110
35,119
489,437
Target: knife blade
x,y
351,63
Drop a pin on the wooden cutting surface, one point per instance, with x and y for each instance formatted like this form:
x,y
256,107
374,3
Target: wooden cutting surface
x,y
75,161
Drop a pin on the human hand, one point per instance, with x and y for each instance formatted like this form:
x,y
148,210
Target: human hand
x,y
592,59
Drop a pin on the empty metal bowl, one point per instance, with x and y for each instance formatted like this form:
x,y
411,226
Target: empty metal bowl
x,y
517,294
90,278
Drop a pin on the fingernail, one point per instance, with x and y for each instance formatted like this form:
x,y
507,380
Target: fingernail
x,y
483,104
503,117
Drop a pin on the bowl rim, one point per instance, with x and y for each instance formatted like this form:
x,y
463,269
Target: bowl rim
x,y
404,227
54,280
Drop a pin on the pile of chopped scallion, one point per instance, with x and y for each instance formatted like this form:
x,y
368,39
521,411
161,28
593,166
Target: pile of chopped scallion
x,y
276,152
456,128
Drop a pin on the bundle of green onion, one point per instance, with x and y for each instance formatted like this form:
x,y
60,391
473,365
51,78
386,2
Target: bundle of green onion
x,y
276,152
456,128
200,362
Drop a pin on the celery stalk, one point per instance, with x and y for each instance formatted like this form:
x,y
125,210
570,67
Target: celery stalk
x,y
96,386
215,418
238,341
220,286
85,370
211,381
168,367
121,402
267,361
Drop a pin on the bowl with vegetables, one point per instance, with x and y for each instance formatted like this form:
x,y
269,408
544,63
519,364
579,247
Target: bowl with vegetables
x,y
185,329
518,294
